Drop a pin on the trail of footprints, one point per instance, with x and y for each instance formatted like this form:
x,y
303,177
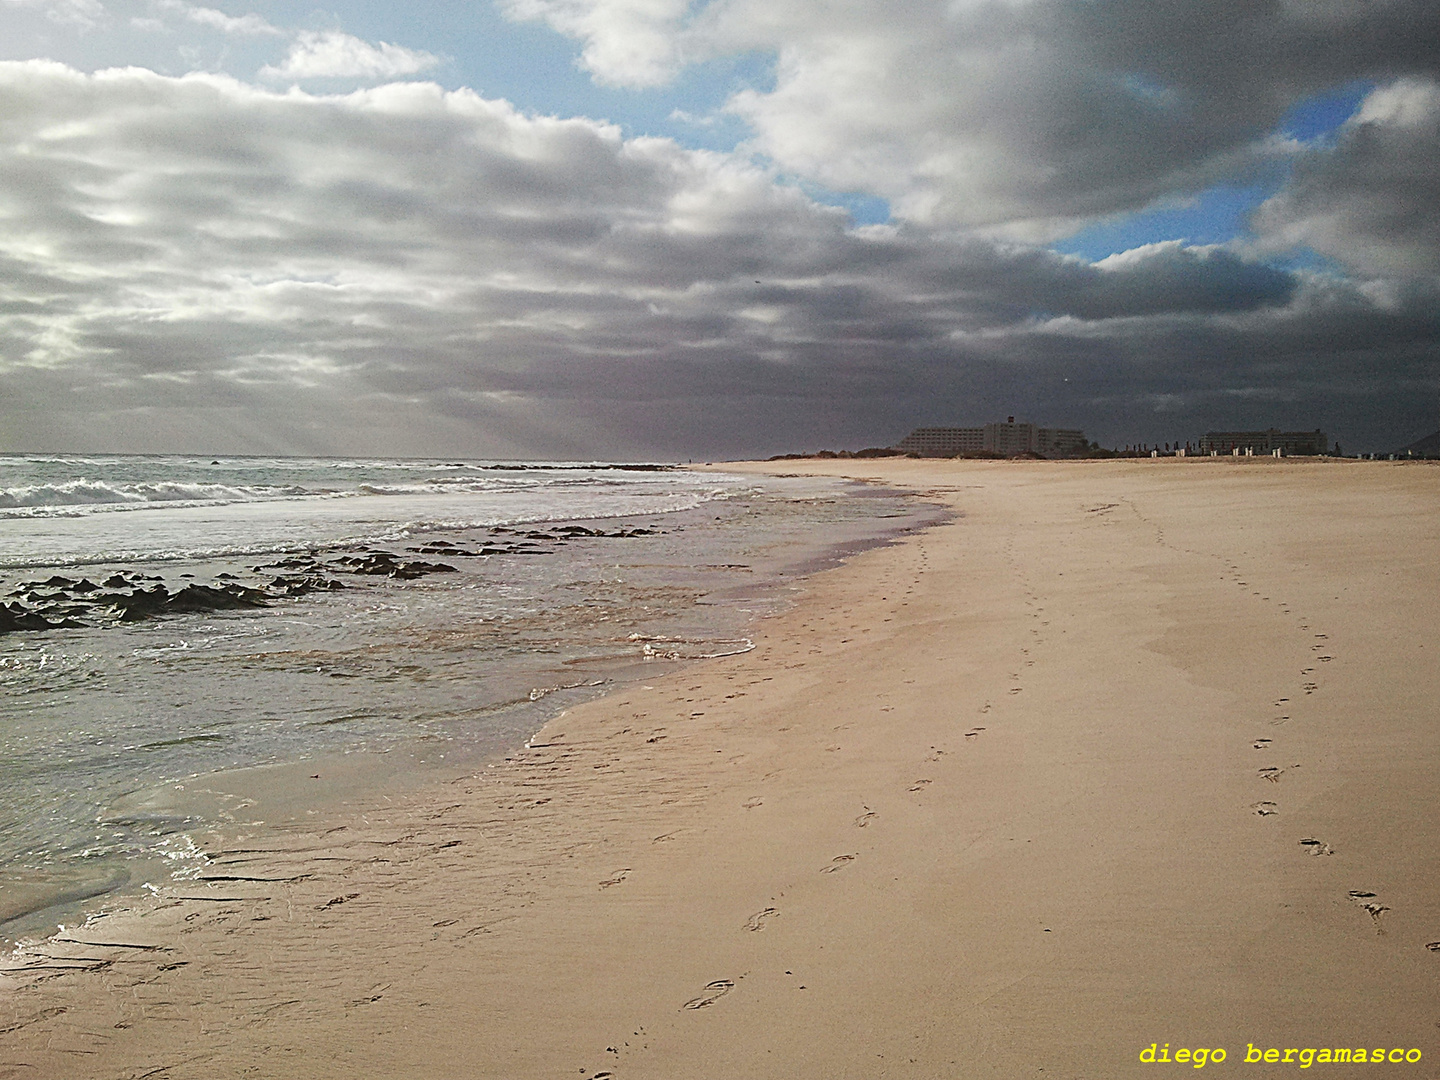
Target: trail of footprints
x,y
757,923
1366,900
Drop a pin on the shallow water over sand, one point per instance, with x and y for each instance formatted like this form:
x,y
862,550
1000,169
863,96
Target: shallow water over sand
x,y
119,740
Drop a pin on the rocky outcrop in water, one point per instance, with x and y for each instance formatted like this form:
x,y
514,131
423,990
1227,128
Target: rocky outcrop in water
x,y
128,596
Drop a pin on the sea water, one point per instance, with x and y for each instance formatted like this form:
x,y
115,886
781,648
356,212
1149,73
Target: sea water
x,y
535,585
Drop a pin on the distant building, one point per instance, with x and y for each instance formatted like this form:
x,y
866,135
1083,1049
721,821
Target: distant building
x,y
1297,443
1008,439
1060,442
943,441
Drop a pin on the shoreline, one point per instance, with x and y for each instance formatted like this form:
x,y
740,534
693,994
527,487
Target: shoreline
x,y
1032,788
331,781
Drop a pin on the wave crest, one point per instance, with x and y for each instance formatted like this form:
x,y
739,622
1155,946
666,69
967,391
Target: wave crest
x,y
39,499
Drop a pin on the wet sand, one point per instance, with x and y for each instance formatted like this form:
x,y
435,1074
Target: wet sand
x,y
1127,753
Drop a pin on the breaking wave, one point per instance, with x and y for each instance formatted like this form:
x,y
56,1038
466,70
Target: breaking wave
x,y
80,495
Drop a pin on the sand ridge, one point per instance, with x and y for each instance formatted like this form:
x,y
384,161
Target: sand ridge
x,y
1125,753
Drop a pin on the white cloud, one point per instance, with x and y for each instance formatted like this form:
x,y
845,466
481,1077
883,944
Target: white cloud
x,y
627,42
249,25
80,14
1406,103
331,55
1369,200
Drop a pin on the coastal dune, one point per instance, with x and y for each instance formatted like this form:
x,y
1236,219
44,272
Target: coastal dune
x,y
1122,754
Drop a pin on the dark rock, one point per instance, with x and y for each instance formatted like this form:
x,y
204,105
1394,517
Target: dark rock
x,y
140,604
441,548
384,563
15,617
411,570
205,598
301,584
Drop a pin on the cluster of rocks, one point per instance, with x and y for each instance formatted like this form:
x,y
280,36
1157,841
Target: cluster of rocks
x,y
60,602
518,542
129,596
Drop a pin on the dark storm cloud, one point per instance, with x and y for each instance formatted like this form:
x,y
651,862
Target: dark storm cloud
x,y
198,263
1372,200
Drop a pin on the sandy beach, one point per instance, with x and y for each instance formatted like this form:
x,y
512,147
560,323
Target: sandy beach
x,y
1126,753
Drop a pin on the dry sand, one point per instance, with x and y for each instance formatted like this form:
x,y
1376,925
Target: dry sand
x,y
1098,764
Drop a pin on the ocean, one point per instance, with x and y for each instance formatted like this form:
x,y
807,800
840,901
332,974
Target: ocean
x,y
192,643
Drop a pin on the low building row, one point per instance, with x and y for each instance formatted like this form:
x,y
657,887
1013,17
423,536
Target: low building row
x,y
1289,443
1007,439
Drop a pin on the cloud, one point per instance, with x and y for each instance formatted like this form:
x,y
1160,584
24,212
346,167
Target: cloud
x,y
249,25
1371,200
1029,117
196,261
82,15
627,42
334,55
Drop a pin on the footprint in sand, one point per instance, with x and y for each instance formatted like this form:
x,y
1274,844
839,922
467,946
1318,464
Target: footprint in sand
x,y
1372,906
973,732
1260,744
712,993
1265,809
837,863
616,878
1376,910
1433,946
1315,847
752,803
865,818
757,922
918,784
1271,773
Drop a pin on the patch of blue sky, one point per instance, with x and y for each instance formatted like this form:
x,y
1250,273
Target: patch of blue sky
x,y
864,209
539,71
1304,258
1214,216
1319,116
1221,213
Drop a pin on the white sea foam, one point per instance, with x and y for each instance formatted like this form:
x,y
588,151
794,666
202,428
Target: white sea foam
x,y
35,500
58,511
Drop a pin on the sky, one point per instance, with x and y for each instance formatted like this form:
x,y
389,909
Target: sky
x,y
670,229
